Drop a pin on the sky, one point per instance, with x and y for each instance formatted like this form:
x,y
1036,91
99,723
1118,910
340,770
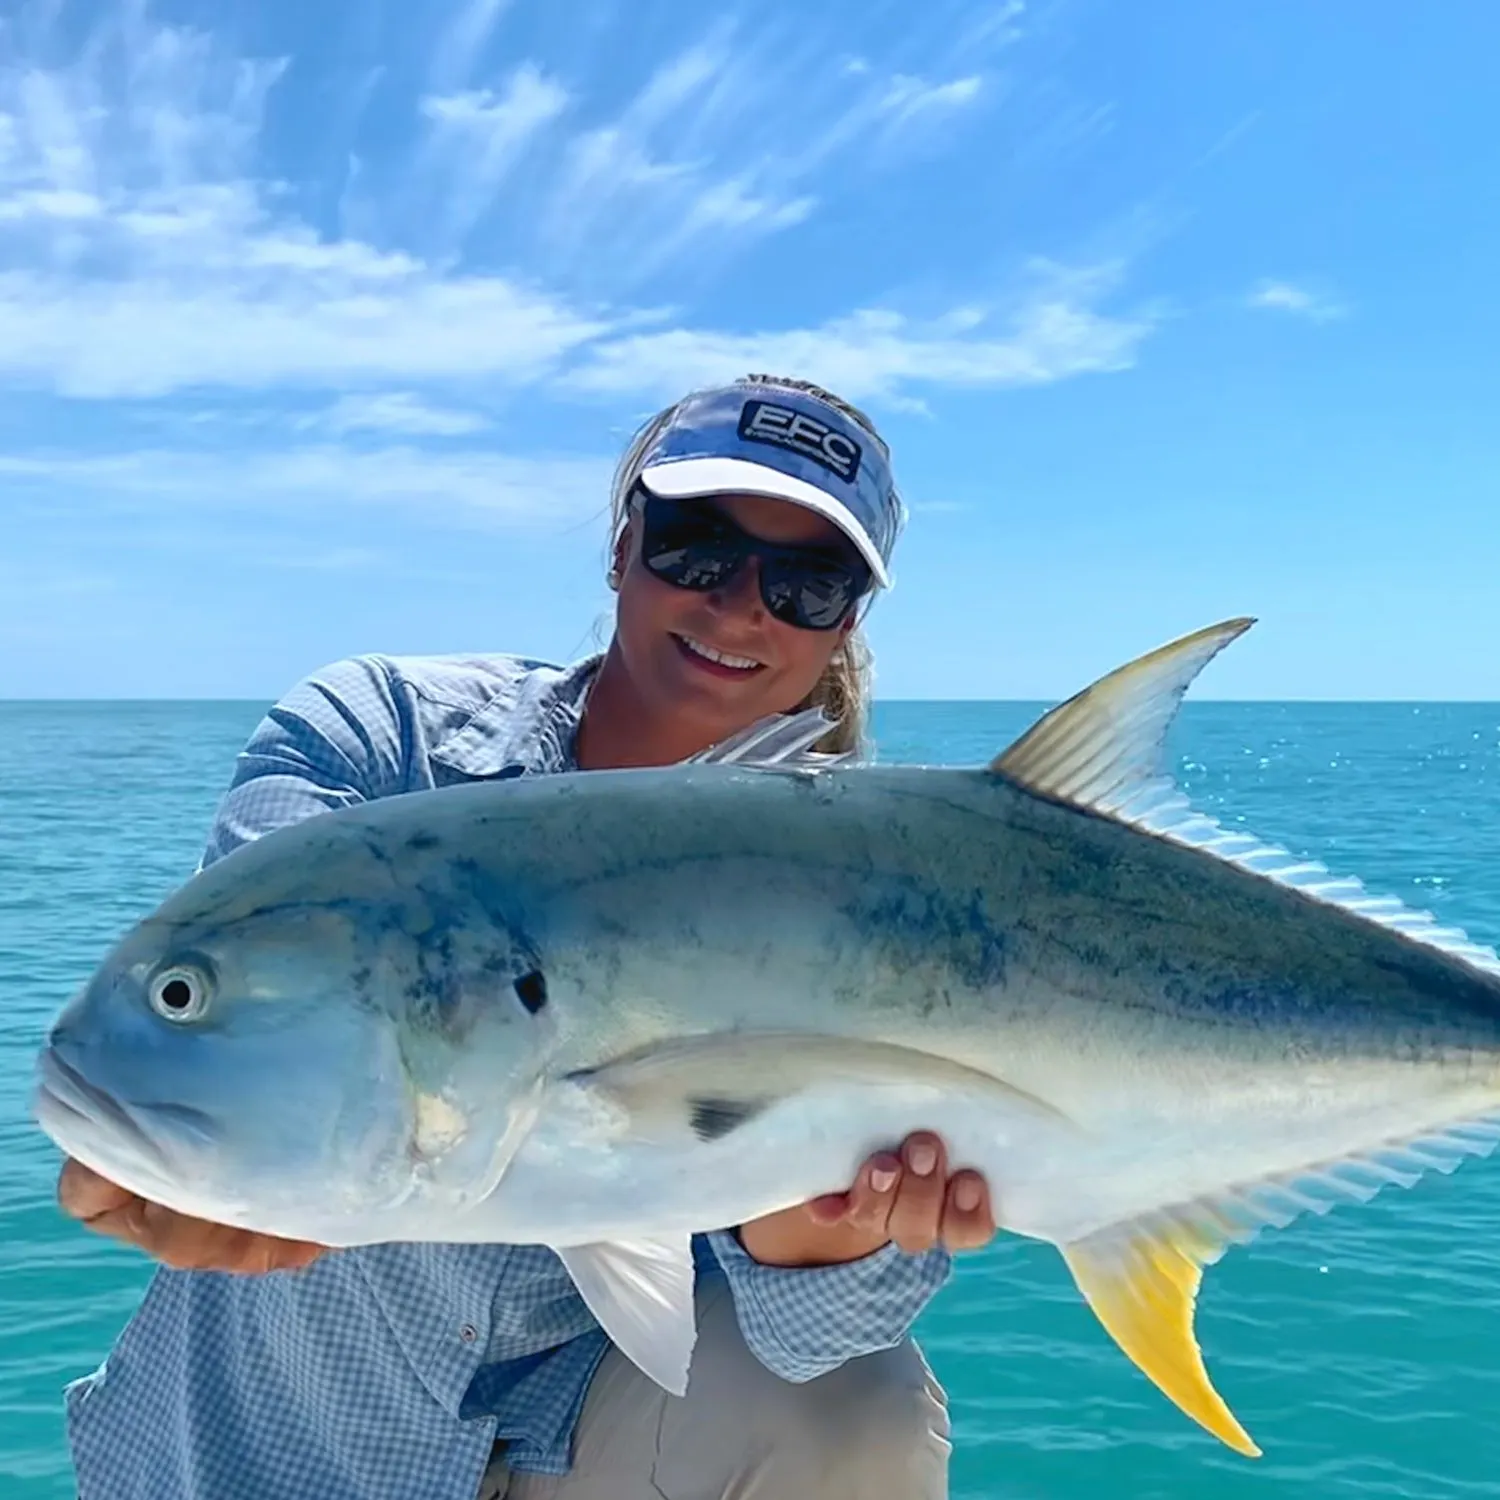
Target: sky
x,y
322,326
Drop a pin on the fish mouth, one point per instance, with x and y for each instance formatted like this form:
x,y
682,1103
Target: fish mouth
x,y
80,1116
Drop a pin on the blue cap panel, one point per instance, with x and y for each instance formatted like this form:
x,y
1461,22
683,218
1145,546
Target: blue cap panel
x,y
796,434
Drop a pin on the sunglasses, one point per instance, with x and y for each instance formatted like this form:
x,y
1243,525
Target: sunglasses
x,y
694,545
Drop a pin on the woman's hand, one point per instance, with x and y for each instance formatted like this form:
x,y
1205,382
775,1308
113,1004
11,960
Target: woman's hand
x,y
908,1198
184,1243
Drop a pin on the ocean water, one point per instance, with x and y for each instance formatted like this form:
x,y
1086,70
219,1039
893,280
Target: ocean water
x,y
1362,1350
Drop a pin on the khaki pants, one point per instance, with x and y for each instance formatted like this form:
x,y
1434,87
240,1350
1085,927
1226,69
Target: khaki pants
x,y
875,1427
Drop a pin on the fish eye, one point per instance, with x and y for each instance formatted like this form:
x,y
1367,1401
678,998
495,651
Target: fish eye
x,y
531,990
179,994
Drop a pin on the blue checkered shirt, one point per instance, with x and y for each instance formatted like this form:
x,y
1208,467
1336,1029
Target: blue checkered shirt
x,y
389,1372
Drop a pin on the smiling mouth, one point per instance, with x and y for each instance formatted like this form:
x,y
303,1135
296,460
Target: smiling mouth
x,y
720,663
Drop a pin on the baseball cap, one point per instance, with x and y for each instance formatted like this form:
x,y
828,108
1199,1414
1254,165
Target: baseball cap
x,y
757,438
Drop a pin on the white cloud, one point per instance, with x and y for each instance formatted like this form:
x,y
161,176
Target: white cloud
x,y
49,203
145,254
397,411
153,335
683,163
1302,302
733,206
878,353
727,142
992,24
148,258
471,489
907,98
940,507
476,137
462,42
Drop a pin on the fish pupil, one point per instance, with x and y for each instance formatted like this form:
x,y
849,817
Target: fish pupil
x,y
531,990
177,994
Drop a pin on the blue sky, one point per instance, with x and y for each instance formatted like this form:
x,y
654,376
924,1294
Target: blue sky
x,y
321,326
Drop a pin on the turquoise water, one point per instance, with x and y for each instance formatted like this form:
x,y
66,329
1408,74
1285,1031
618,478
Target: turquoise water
x,y
1362,1350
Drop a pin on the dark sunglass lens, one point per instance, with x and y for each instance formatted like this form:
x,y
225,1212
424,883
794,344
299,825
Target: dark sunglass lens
x,y
815,598
687,545
693,566
694,546
668,524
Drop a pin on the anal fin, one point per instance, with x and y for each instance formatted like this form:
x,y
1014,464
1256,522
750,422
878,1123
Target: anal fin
x,y
1142,1284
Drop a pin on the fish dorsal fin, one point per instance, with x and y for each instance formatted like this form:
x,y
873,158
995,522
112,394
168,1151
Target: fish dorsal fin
x,y
779,741
1102,751
1104,745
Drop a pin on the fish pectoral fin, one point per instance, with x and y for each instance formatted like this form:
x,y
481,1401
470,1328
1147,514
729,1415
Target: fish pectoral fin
x,y
778,742
641,1291
1142,1284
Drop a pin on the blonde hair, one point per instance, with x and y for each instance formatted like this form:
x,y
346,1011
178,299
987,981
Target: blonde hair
x,y
843,691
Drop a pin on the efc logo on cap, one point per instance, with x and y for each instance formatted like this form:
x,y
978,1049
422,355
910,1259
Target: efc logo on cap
x,y
762,422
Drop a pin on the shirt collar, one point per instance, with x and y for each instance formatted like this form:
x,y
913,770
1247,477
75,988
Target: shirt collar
x,y
529,727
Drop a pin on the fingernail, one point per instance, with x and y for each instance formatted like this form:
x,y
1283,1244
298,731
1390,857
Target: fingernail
x,y
882,1179
922,1158
966,1195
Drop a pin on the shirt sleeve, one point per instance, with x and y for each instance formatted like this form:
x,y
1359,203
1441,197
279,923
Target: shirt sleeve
x,y
802,1322
334,741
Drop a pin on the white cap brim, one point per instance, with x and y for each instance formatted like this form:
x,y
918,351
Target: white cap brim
x,y
695,478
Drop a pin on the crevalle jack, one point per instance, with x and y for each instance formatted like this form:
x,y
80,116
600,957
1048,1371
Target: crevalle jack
x,y
604,1011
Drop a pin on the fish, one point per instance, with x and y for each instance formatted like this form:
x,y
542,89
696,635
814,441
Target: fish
x,y
603,1012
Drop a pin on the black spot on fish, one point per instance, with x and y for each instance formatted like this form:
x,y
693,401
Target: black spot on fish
x,y
420,843
531,990
713,1118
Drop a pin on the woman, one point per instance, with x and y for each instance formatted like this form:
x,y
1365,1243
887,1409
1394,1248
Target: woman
x,y
752,524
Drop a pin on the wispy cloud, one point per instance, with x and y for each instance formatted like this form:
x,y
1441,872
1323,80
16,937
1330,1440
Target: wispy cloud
x,y
741,134
148,257
153,259
940,507
909,99
462,42
398,412
685,160
1000,22
477,136
1300,301
452,488
1051,334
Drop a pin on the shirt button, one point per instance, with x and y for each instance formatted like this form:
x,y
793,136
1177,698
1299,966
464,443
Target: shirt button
x,y
468,1333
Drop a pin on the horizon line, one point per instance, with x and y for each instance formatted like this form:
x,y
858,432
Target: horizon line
x,y
58,702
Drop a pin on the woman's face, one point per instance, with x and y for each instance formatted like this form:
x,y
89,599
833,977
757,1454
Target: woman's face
x,y
662,631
